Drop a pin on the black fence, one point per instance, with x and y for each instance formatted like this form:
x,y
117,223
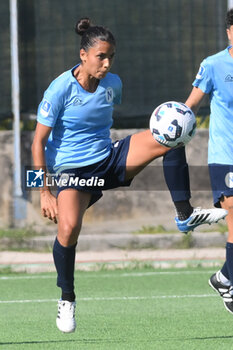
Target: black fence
x,y
160,44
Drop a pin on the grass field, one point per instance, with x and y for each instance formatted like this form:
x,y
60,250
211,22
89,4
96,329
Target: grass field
x,y
121,309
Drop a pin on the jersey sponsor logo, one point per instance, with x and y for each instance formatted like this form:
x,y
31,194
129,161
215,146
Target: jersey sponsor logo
x,y
229,79
45,108
109,94
200,73
229,180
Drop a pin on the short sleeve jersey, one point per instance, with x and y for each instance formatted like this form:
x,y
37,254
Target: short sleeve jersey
x,y
215,77
80,120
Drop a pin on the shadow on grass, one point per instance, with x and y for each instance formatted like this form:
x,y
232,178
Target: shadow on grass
x,y
85,341
195,338
209,338
108,341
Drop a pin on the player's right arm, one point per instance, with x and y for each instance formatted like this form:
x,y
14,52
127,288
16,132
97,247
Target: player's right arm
x,y
48,201
202,85
195,98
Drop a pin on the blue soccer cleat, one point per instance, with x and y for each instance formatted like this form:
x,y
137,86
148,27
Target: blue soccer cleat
x,y
199,217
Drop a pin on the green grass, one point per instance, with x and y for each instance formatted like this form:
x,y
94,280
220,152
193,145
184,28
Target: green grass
x,y
152,229
17,239
219,227
203,121
140,309
17,234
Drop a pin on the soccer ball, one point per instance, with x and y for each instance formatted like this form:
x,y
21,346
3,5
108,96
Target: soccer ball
x,y
173,124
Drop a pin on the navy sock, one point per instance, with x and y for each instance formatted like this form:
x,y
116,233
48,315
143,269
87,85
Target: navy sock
x,y
229,261
64,259
224,270
183,209
176,174
68,296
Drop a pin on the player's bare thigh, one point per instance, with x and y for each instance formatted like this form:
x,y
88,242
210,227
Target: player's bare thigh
x,y
143,149
227,203
71,208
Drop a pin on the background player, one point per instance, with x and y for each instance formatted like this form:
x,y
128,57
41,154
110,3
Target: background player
x,y
215,78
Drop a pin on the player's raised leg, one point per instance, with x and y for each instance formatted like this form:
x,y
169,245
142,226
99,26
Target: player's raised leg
x,y
71,208
143,148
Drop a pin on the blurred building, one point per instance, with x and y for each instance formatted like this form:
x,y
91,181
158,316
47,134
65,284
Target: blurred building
x,y
160,44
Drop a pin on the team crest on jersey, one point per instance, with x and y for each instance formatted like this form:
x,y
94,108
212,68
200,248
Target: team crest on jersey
x,y
109,94
45,108
229,180
200,73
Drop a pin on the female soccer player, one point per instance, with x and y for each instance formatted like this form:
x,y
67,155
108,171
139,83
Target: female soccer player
x,y
215,78
72,138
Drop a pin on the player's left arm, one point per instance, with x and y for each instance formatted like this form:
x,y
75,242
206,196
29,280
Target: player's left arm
x,y
195,98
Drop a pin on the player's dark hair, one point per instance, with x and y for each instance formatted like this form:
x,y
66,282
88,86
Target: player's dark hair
x,y
229,18
90,34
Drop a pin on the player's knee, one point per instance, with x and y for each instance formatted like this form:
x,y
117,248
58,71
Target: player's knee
x,y
69,230
156,148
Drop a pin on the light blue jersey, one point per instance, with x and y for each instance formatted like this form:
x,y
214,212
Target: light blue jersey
x,y
215,77
80,120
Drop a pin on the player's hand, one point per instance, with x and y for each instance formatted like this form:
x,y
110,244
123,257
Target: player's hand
x,y
49,206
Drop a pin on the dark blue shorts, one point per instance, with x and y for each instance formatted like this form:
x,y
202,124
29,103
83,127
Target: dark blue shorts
x,y
221,178
107,174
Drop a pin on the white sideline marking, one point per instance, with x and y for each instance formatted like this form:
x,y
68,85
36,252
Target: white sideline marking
x,y
3,278
141,274
27,301
128,274
113,298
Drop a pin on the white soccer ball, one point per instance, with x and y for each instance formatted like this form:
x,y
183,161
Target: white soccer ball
x,y
173,124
